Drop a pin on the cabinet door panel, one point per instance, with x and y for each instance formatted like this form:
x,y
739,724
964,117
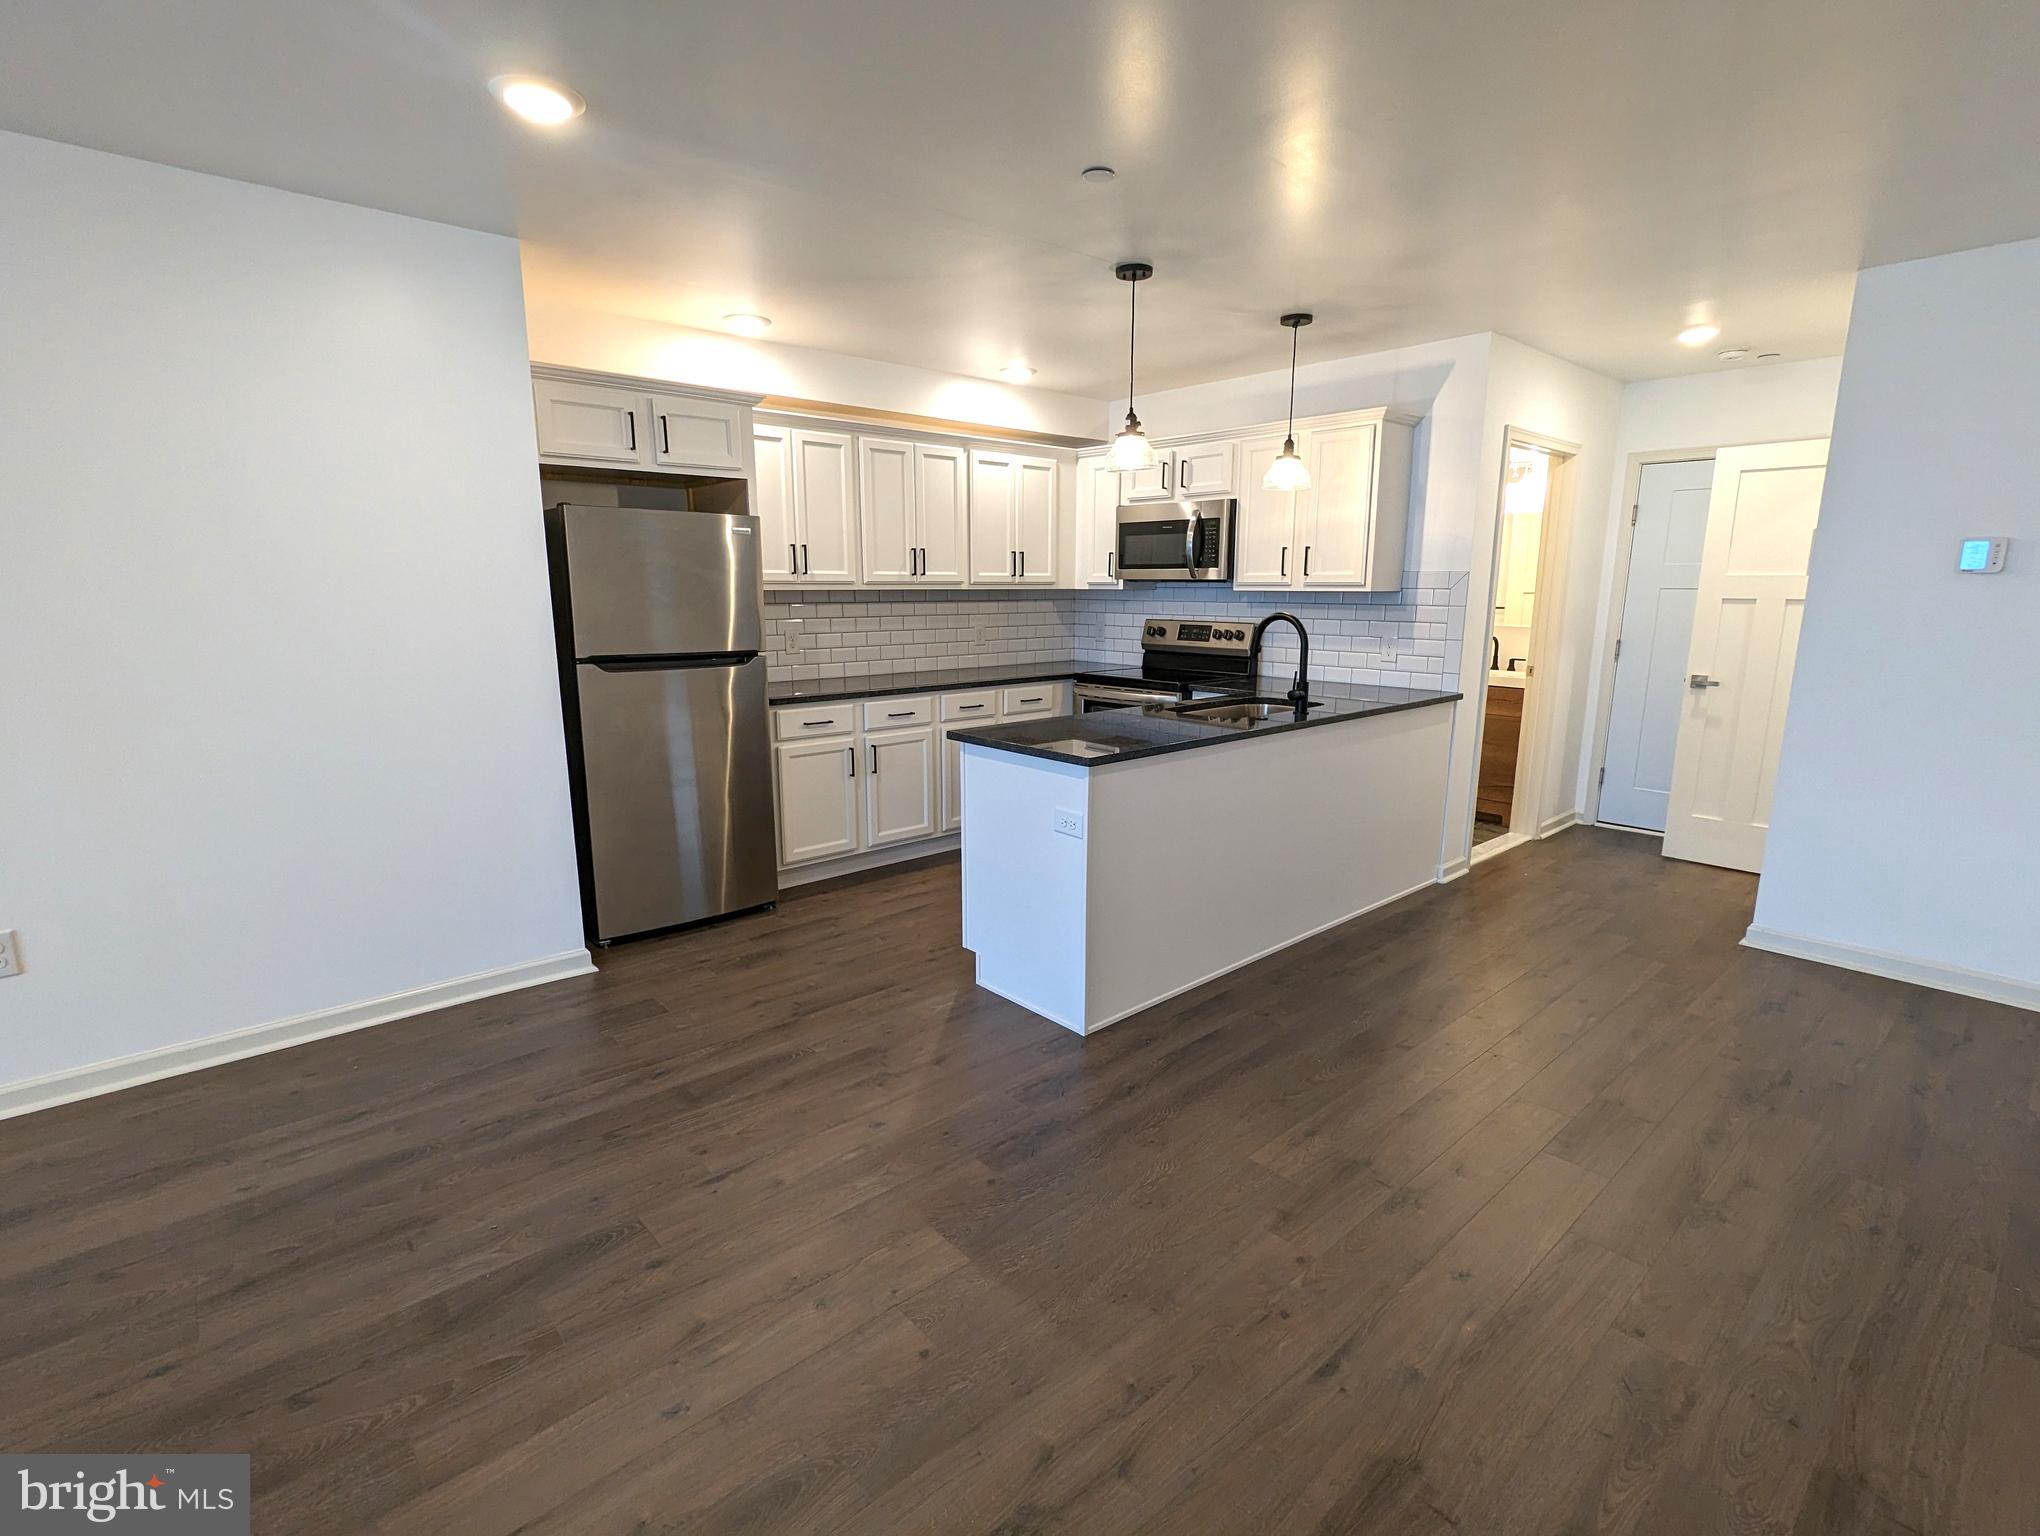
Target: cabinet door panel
x,y
1264,552
1155,483
1097,523
885,510
587,421
817,799
994,484
1034,520
900,787
1340,524
772,502
825,506
942,504
697,434
1206,469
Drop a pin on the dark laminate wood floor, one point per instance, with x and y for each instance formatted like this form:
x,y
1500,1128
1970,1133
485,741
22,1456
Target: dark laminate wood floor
x,y
1532,1204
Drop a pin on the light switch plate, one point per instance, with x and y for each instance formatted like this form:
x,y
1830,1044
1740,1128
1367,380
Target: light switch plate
x,y
10,953
1070,824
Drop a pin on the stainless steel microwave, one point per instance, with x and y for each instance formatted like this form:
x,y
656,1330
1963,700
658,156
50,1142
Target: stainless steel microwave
x,y
1175,541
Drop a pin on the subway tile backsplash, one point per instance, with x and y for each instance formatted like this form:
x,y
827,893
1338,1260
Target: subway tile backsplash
x,y
1411,637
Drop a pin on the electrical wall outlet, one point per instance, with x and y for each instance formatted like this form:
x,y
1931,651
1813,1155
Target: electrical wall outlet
x,y
1070,824
10,953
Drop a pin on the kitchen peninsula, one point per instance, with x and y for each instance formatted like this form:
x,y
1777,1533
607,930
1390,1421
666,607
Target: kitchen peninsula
x,y
1114,859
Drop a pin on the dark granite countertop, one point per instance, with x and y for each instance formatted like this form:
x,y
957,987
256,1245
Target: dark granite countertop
x,y
1122,735
922,680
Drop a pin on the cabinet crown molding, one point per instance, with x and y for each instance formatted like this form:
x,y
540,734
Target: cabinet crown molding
x,y
650,386
1277,427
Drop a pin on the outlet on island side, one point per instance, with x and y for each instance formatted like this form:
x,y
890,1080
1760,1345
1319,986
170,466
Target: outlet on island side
x,y
10,953
1070,824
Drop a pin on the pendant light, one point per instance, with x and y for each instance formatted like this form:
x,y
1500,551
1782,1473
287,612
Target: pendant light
x,y
1288,473
1131,449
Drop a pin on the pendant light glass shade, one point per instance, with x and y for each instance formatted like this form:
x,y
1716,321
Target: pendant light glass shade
x,y
1131,449
1288,472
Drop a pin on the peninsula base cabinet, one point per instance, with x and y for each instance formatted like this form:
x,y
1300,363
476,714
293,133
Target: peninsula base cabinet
x,y
857,778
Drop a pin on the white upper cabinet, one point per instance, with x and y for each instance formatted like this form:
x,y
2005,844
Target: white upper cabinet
x,y
618,424
825,507
1264,534
772,501
1157,482
1034,520
886,485
1097,521
590,422
1012,519
1346,532
697,435
1338,509
942,505
1206,469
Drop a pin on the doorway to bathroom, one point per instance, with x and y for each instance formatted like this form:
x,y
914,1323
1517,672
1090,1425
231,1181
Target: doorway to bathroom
x,y
1506,792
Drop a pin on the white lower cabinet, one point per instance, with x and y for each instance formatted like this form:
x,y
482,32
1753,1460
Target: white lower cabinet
x,y
818,798
858,777
902,798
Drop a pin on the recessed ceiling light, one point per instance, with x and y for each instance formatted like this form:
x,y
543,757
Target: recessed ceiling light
x,y
1733,354
1099,173
537,101
1016,372
745,324
1698,335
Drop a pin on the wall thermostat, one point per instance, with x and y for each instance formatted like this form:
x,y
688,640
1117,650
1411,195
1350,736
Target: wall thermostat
x,y
1982,557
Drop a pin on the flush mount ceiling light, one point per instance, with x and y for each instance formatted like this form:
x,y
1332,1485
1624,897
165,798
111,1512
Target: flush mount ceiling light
x,y
1288,472
1131,449
1698,335
537,101
1099,173
1016,372
747,324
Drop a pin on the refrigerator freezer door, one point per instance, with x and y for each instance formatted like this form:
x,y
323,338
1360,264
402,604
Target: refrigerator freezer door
x,y
645,583
679,793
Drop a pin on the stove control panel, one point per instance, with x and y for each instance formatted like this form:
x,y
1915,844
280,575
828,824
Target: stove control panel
x,y
1197,634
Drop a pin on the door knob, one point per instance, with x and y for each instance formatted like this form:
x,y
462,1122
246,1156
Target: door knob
x,y
1701,680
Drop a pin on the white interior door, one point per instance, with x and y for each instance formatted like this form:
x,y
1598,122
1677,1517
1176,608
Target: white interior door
x,y
1656,633
1760,520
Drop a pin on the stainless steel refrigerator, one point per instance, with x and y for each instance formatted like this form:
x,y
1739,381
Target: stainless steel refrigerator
x,y
662,678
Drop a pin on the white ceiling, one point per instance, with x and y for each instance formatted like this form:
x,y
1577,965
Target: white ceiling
x,y
897,179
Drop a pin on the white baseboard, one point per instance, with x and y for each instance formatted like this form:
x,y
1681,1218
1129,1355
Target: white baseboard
x,y
1879,962
1558,823
876,858
1447,873
260,1039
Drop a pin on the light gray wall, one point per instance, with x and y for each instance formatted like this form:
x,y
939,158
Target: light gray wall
x,y
1904,816
281,728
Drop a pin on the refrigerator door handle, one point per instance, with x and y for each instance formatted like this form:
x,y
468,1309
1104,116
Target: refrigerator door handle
x,y
668,663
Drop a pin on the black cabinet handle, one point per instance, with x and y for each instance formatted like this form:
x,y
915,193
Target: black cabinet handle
x,y
853,761
1013,563
899,714
793,559
1023,565
631,417
1108,567
804,570
964,709
1306,562
665,445
811,724
874,759
1285,563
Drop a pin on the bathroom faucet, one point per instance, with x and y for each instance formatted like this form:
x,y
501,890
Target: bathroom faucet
x,y
1300,694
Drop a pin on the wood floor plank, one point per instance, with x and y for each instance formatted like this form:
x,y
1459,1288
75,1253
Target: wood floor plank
x,y
1532,1205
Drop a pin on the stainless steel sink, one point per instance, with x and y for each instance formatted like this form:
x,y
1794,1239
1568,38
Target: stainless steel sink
x,y
1243,711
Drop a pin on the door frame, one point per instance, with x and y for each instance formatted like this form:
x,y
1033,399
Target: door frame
x,y
1554,549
